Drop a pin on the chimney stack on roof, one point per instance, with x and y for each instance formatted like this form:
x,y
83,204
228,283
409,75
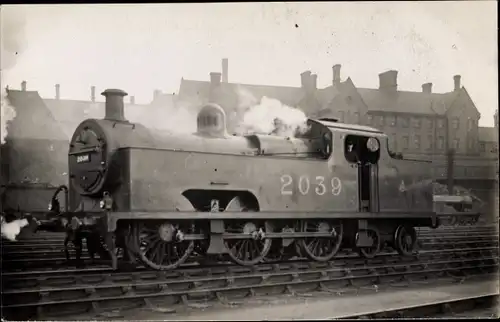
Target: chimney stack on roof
x,y
305,79
92,93
58,91
495,117
336,74
456,79
156,94
215,78
427,88
132,99
23,85
314,81
225,70
115,108
388,81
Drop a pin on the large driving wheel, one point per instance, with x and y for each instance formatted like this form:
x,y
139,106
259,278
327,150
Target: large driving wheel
x,y
321,249
160,245
246,251
405,240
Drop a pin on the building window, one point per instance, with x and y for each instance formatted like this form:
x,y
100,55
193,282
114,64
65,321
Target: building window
x,y
370,119
405,142
416,122
456,144
470,124
356,117
341,116
430,142
416,142
381,121
470,144
430,123
403,121
455,123
394,142
440,143
391,120
482,147
440,123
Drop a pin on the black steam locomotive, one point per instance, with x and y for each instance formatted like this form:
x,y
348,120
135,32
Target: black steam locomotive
x,y
162,197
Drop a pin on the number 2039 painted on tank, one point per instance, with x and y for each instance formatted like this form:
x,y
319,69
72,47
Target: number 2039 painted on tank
x,y
321,185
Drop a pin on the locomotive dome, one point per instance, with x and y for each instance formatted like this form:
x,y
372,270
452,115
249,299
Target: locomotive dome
x,y
211,121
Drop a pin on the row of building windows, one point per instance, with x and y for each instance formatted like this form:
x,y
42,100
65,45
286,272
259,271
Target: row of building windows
x,y
403,121
416,143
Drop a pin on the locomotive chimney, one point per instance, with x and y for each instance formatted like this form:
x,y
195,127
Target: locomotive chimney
x,y
115,109
92,93
23,85
58,91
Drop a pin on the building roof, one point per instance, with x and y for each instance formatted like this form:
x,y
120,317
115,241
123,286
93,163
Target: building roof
x,y
200,90
69,113
488,134
407,102
34,120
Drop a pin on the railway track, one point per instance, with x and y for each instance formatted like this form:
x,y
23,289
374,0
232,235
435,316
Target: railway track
x,y
45,294
455,254
48,252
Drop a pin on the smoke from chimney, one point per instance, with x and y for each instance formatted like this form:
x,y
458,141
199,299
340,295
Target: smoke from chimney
x,y
456,79
225,70
115,108
58,91
7,114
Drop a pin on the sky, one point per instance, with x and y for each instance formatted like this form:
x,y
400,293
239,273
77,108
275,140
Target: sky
x,y
140,48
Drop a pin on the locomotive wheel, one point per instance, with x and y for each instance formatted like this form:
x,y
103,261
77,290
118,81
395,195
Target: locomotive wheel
x,y
321,249
250,251
160,246
405,240
370,252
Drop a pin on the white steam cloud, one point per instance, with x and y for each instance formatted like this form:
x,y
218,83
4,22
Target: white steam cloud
x,y
10,230
269,116
7,114
12,45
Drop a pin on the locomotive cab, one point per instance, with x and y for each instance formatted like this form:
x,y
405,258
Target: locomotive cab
x,y
364,153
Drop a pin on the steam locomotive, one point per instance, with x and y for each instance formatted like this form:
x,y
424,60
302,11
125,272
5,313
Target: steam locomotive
x,y
161,197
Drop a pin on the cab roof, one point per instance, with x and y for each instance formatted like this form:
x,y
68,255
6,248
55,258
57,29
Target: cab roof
x,y
354,127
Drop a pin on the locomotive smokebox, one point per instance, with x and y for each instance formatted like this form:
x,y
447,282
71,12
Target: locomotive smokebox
x,y
115,108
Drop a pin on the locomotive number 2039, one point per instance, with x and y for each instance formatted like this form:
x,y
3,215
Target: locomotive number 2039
x,y
320,185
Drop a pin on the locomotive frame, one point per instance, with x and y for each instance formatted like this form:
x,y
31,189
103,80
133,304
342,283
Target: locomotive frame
x,y
241,216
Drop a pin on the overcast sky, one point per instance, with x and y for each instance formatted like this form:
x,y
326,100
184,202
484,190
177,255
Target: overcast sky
x,y
140,48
